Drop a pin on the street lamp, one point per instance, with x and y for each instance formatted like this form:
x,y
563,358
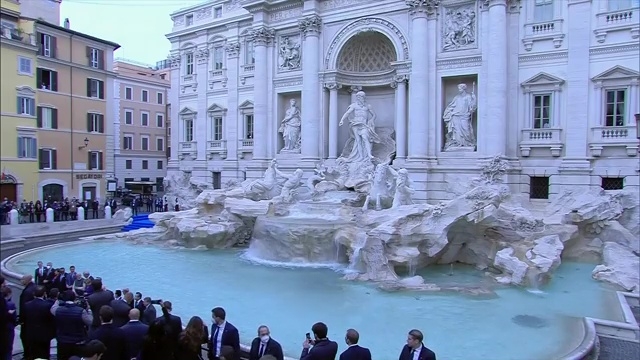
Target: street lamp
x,y
86,143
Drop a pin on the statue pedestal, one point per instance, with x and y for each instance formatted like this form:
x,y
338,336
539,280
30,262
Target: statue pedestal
x,y
461,149
294,151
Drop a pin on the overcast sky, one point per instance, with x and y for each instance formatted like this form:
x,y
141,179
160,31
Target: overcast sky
x,y
139,26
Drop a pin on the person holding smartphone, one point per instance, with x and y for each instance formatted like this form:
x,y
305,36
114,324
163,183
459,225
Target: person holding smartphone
x,y
320,348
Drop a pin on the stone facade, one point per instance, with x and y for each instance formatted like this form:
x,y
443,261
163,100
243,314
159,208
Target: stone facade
x,y
560,109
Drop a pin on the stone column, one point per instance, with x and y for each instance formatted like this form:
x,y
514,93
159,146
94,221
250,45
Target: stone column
x,y
202,118
400,85
231,130
174,100
432,117
418,91
497,76
334,118
310,27
261,37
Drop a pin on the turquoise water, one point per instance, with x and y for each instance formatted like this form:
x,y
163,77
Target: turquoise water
x,y
290,300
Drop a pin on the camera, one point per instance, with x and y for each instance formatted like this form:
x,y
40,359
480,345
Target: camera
x,y
82,302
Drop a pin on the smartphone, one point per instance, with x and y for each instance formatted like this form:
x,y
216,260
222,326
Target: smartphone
x,y
308,335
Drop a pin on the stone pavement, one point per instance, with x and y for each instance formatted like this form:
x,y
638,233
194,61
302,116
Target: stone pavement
x,y
616,349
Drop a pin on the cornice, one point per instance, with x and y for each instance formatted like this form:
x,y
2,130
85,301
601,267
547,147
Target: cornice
x,y
556,55
76,65
124,79
32,49
632,48
225,24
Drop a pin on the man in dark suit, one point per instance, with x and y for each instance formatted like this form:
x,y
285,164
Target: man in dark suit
x,y
38,325
92,350
50,274
97,300
40,274
26,295
172,325
415,346
112,337
137,302
135,332
223,333
354,351
120,311
265,345
149,312
323,348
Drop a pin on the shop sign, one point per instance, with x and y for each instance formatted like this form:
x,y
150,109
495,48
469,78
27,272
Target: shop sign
x,y
88,176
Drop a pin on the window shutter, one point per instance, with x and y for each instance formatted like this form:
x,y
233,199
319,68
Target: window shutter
x,y
20,147
32,107
19,106
54,43
88,87
89,160
54,159
100,59
89,54
54,118
39,40
33,148
101,123
54,81
101,89
38,78
40,158
89,129
39,117
100,161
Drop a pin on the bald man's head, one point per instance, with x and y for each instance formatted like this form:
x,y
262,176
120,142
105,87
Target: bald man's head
x,y
134,314
352,337
26,279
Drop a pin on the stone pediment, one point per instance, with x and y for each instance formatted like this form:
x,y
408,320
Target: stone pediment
x,y
187,112
543,79
617,72
26,90
247,104
215,108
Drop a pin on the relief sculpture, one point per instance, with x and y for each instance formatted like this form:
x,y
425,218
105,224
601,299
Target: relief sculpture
x,y
289,53
459,29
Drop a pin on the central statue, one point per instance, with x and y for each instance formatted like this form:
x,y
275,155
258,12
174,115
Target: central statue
x,y
363,134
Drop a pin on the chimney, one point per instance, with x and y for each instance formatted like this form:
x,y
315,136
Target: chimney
x,y
67,24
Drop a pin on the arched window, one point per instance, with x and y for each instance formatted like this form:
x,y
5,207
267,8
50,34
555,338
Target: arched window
x,y
52,192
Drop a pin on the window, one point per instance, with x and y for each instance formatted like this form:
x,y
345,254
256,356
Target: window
x,y
189,20
217,12
128,164
47,46
95,88
127,142
189,64
95,123
144,119
128,180
47,118
217,179
24,66
145,96
539,187
615,5
144,140
128,93
249,53
95,160
26,106
615,107
160,98
47,159
216,128
541,111
218,57
612,183
128,117
47,79
159,184
96,58
159,120
145,164
159,165
159,144
543,10
27,147
248,129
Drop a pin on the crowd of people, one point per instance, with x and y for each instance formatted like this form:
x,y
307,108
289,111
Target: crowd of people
x,y
90,322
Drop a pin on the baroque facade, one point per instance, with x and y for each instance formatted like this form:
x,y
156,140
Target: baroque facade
x,y
448,79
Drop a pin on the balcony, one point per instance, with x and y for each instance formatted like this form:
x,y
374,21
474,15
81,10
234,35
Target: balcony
x,y
245,146
17,35
217,76
613,21
613,136
217,147
541,138
543,31
248,68
187,150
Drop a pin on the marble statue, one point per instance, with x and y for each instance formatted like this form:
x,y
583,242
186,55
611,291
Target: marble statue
x,y
458,120
362,121
382,187
289,188
459,28
404,191
290,128
289,53
269,186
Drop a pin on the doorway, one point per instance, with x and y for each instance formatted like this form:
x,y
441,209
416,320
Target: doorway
x,y
52,192
9,191
88,193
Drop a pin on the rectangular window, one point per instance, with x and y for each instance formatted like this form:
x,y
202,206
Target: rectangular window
x,y
615,107
48,159
216,128
95,88
217,179
26,106
47,79
188,130
145,96
144,119
128,164
128,93
615,5
128,117
159,184
543,10
541,111
189,20
159,120
47,118
95,160
95,123
95,58
218,57
145,165
160,98
539,187
189,64
159,165
24,66
159,144
249,54
127,142
47,45
27,147
612,183
248,121
144,143
217,12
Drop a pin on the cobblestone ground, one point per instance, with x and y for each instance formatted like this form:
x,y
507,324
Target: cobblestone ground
x,y
615,349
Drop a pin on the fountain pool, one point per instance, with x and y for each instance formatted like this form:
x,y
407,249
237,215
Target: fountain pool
x,y
290,300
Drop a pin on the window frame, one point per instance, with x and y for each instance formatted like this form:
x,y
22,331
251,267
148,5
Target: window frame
x,y
142,139
144,165
189,64
128,164
29,143
50,152
188,130
94,60
614,180
249,52
545,192
217,127
160,120
20,70
550,108
46,44
161,165
130,90
218,51
126,112
188,19
96,118
632,4
47,121
249,126
26,103
99,93
99,165
160,97
124,142
144,98
625,104
160,139
142,114
543,10
217,12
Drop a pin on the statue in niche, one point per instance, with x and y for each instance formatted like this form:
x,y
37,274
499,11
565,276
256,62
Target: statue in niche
x,y
362,122
289,54
290,187
403,189
382,187
457,119
290,128
269,186
459,28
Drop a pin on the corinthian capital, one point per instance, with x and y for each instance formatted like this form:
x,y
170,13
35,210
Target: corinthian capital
x,y
310,25
427,8
233,49
262,35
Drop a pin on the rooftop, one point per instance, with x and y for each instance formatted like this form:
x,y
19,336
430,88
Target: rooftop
x,y
77,33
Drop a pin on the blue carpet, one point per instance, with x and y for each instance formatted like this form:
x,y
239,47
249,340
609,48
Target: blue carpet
x,y
139,222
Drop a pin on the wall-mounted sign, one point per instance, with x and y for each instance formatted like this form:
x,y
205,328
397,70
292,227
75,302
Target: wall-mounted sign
x,y
88,176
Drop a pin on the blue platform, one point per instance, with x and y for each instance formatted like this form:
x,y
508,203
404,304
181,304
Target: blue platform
x,y
139,222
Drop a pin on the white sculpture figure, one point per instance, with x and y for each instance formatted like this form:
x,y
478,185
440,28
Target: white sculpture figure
x,y
289,54
381,187
459,28
457,118
290,186
362,122
290,127
403,189
267,187
318,176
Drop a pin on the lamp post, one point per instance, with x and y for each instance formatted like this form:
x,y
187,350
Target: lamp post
x,y
86,143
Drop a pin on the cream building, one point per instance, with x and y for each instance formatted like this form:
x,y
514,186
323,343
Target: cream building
x,y
550,85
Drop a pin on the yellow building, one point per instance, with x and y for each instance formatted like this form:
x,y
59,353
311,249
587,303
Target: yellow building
x,y
19,145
